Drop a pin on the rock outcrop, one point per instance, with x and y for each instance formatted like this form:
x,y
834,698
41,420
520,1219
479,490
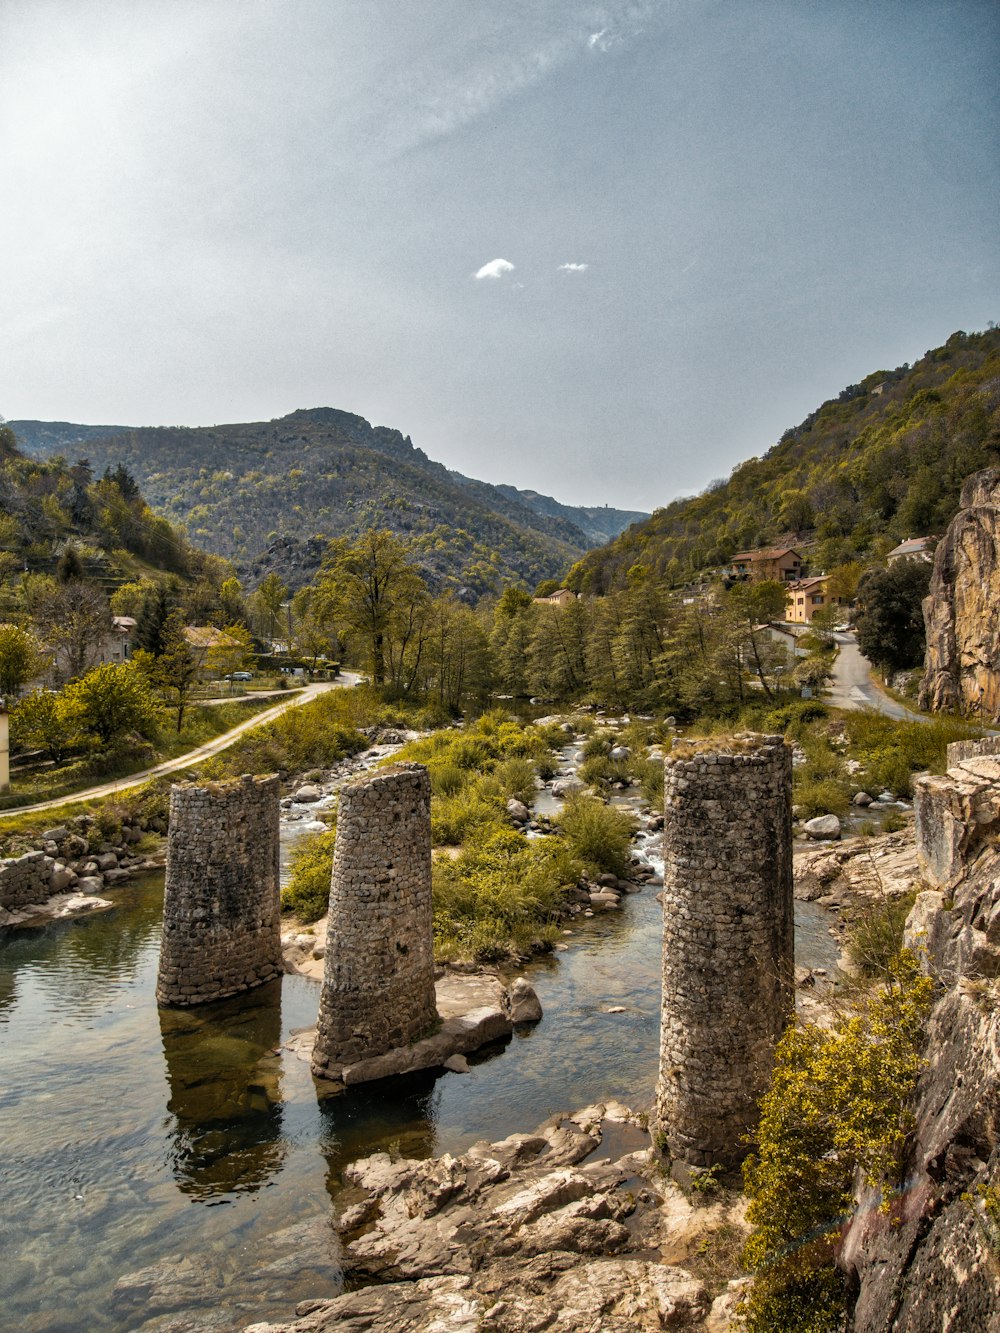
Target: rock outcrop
x,y
932,1261
960,611
520,1235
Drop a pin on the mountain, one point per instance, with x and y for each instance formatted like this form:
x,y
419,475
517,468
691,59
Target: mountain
x,y
883,461
268,495
599,523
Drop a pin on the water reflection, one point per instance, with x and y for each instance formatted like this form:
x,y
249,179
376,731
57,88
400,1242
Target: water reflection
x,y
224,1071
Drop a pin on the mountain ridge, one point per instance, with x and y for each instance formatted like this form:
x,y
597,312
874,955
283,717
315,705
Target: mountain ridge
x,y
264,493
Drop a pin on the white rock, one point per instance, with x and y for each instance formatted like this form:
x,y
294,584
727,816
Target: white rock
x,y
823,826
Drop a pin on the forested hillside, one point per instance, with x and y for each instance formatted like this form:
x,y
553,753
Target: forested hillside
x,y
260,493
47,506
882,461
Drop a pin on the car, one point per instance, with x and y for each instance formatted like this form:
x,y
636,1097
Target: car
x,y
240,675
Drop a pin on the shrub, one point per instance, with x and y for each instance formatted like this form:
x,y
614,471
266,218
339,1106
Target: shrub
x,y
597,834
307,893
875,932
501,896
837,1105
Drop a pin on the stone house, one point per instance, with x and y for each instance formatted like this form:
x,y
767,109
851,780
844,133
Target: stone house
x,y
782,564
561,597
914,548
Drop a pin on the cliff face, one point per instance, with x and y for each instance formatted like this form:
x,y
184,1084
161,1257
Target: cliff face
x,y
933,1261
960,611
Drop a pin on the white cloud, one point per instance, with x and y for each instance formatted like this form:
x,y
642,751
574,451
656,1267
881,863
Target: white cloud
x,y
596,38
496,268
573,268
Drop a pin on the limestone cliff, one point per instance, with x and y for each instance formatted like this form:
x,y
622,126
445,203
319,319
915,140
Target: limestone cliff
x,y
960,611
933,1261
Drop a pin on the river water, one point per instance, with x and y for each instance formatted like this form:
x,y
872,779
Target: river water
x,y
190,1144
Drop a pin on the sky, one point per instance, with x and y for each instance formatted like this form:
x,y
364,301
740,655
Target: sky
x,y
603,250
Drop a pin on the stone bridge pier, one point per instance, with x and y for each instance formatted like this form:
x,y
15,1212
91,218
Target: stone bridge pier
x,y
378,983
221,908
728,953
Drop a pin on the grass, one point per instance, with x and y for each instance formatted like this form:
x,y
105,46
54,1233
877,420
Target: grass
x,y
597,835
307,893
501,897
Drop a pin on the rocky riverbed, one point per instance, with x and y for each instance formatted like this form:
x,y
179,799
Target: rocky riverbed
x,y
571,1227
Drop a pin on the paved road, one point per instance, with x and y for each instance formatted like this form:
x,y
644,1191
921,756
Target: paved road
x,y
196,756
853,688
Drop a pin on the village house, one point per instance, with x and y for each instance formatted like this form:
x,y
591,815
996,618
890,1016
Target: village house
x,y
914,548
561,597
779,563
212,647
806,597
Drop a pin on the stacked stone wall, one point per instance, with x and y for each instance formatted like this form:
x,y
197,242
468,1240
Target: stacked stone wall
x,y
378,984
221,909
728,951
25,879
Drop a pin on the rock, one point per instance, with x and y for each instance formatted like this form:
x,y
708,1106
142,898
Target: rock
x,y
74,847
605,900
963,630
823,826
620,753
522,1004
307,793
957,813
885,797
518,811
62,879
59,834
861,798
457,1064
90,884
566,786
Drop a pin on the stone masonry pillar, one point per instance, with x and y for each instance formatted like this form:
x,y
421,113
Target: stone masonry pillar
x,y
378,982
728,953
221,906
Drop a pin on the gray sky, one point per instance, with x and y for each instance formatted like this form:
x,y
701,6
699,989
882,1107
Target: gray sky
x,y
713,216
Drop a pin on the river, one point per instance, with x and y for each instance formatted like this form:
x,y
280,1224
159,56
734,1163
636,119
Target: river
x,y
189,1143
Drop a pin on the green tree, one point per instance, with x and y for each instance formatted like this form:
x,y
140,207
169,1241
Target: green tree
x,y
111,701
151,622
179,666
267,603
20,659
890,620
231,601
42,720
225,658
372,588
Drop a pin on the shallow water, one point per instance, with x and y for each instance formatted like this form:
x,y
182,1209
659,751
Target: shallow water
x,y
131,1137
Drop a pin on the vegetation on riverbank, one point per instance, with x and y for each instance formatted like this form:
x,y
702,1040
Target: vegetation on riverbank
x,y
837,1108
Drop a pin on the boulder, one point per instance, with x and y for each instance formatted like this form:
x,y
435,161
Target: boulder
x,y
823,826
518,811
862,799
59,834
566,786
521,1003
620,753
307,793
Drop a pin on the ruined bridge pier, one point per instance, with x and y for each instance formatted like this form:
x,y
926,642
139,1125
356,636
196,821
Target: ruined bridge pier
x,y
378,981
221,929
728,952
